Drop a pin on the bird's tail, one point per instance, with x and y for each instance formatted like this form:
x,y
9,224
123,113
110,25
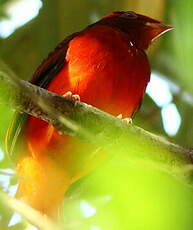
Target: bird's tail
x,y
42,184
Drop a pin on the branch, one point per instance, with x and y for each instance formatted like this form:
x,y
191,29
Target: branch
x,y
33,216
92,125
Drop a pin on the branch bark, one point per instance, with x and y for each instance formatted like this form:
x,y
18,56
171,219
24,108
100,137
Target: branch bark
x,y
92,125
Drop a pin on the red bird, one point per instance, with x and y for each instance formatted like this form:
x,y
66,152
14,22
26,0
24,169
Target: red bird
x,y
106,65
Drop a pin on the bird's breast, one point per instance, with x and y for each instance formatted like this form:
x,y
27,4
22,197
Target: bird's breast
x,y
105,69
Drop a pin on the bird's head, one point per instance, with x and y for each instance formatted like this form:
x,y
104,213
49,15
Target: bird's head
x,y
141,29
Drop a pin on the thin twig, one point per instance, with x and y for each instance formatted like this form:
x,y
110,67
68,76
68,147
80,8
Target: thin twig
x,y
34,217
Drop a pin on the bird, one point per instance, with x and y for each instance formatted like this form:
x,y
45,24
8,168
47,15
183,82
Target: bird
x,y
105,65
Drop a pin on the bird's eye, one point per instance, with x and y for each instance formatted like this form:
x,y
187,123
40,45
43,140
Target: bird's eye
x,y
129,14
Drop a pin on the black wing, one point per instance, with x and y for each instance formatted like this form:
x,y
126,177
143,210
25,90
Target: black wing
x,y
52,64
42,76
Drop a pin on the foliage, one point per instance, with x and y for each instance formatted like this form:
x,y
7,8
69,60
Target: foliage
x,y
120,194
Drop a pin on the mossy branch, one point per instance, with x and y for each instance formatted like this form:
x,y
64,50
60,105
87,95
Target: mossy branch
x,y
92,125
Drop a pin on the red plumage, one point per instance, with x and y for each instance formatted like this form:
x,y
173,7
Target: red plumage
x,y
107,66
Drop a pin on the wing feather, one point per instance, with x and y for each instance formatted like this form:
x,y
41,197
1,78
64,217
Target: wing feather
x,y
41,77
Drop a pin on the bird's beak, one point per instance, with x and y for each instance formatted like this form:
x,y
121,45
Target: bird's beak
x,y
157,29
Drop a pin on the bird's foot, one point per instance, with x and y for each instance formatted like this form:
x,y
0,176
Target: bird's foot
x,y
70,96
127,120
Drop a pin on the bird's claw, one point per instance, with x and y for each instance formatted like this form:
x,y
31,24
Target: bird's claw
x,y
120,116
70,96
127,120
